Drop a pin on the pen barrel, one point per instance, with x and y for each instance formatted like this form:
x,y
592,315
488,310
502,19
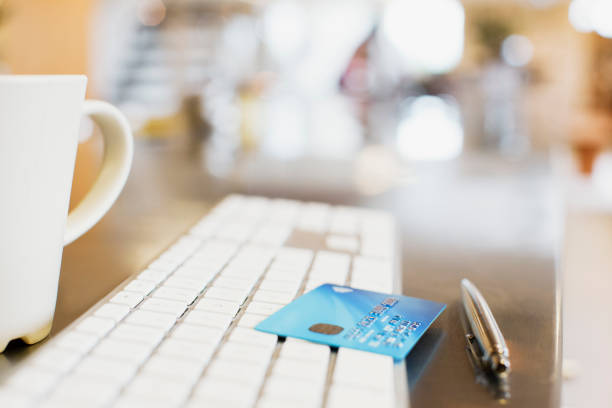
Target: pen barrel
x,y
485,329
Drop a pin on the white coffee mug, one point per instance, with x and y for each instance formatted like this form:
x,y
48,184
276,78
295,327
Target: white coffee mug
x,y
39,122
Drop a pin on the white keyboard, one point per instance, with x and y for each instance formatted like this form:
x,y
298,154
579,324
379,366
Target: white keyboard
x,y
180,333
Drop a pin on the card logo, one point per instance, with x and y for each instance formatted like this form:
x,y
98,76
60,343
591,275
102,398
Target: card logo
x,y
340,289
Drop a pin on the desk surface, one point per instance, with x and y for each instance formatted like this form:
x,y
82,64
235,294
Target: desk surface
x,y
480,217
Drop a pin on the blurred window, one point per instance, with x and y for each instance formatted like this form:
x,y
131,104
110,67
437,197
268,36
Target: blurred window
x,y
428,35
430,130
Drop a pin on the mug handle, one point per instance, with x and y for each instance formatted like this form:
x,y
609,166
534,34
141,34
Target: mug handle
x,y
118,153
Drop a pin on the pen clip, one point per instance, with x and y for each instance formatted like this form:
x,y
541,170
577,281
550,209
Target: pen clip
x,y
475,353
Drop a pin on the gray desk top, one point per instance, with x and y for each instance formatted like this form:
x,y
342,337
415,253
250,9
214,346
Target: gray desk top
x,y
480,217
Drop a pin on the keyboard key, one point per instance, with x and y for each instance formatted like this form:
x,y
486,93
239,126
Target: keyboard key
x,y
219,249
210,319
290,267
96,325
203,274
225,391
271,235
198,334
372,266
102,369
384,287
176,254
273,297
140,401
337,275
315,281
341,396
351,366
75,391
279,286
218,306
206,260
164,265
130,299
142,287
263,308
55,359
241,372
199,401
207,257
187,243
204,230
123,350
300,369
158,320
344,221
342,243
234,283
186,350
314,217
149,335
303,350
375,248
331,260
173,369
164,306
77,342
33,380
251,336
294,255
292,389
185,296
151,387
247,272
112,311
278,401
294,277
14,399
153,275
258,256
193,284
239,352
250,320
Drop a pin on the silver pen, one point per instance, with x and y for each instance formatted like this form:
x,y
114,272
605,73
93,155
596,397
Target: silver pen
x,y
492,353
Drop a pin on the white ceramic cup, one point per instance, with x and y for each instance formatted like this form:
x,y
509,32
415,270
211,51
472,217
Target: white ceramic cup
x,y
39,122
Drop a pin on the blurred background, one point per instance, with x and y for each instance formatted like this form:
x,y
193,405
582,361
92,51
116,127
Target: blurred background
x,y
366,97
381,82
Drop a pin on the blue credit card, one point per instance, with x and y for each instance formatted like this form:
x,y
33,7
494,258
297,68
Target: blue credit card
x,y
345,317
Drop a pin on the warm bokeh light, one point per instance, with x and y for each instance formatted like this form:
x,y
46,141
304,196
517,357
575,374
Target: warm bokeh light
x,y
579,15
237,48
601,17
284,30
428,35
151,12
592,15
304,41
291,127
335,131
517,50
284,122
376,170
430,130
